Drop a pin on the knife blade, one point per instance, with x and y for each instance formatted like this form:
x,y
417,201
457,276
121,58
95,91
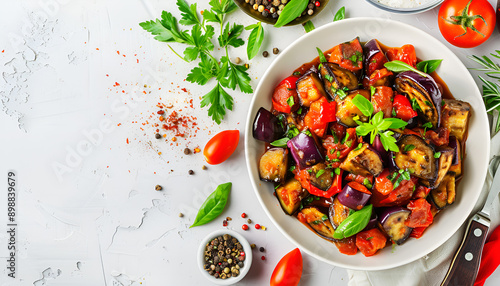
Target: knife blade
x,y
465,264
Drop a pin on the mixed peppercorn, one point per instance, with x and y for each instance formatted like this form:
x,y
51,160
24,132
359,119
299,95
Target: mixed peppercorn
x,y
273,8
224,257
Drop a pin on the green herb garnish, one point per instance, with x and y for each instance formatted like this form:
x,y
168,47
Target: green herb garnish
x,y
319,173
290,101
308,26
437,155
409,147
213,205
322,58
255,39
354,223
399,66
428,66
280,142
340,15
291,11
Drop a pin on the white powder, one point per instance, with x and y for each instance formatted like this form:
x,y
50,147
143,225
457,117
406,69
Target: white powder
x,y
405,3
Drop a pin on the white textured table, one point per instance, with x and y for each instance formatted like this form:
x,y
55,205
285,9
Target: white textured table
x,y
79,92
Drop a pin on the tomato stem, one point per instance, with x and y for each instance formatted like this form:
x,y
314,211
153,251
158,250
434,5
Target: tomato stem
x,y
465,21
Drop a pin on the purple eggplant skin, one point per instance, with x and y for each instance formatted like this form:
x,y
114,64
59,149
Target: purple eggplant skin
x,y
454,143
379,148
267,127
425,90
304,150
393,223
352,198
373,222
371,48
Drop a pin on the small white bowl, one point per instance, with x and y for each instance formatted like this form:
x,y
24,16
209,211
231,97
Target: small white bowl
x,y
246,248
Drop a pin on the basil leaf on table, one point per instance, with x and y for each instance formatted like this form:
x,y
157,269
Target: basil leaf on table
x,y
322,58
399,66
291,11
354,223
308,26
428,66
255,39
213,205
340,15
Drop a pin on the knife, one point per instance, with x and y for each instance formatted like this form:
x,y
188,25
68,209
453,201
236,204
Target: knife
x,y
465,265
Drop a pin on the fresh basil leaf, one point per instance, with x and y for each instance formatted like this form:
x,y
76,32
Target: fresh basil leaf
x,y
308,26
340,15
322,58
280,142
354,223
213,205
255,40
396,123
429,66
291,11
363,104
399,66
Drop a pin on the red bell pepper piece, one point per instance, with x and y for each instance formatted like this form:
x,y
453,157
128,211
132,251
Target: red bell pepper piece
x,y
303,177
402,107
417,232
377,62
348,55
321,112
283,92
421,215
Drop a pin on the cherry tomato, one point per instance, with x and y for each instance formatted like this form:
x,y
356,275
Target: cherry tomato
x,y
221,146
370,241
399,196
466,23
382,100
347,245
405,54
288,270
282,93
319,115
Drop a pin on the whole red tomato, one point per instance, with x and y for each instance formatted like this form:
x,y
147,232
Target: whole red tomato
x,y
288,270
221,146
466,23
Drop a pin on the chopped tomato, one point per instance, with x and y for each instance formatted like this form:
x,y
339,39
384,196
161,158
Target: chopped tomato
x,y
421,215
358,178
421,192
382,100
319,115
379,77
402,107
336,150
338,129
382,184
347,245
348,55
358,187
370,241
283,92
377,62
417,232
405,54
439,138
303,177
399,196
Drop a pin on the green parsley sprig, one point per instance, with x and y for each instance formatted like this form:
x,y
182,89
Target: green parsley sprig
x,y
377,124
200,46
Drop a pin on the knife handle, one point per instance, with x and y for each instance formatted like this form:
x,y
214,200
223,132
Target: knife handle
x,y
465,265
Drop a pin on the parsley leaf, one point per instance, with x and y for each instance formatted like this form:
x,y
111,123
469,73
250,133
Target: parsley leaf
x,y
188,13
388,141
219,100
230,36
235,75
207,68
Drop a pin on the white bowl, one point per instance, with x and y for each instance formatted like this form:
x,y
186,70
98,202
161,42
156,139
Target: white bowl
x,y
246,248
413,10
452,71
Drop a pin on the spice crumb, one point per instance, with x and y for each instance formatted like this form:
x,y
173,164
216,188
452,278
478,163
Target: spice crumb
x,y
276,51
191,172
187,151
263,227
181,215
229,218
204,167
158,188
249,220
237,60
247,66
253,245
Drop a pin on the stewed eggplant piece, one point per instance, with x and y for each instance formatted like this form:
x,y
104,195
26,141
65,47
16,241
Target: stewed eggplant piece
x,y
393,223
273,165
352,198
363,161
309,88
320,176
455,117
316,220
267,127
335,78
346,110
456,164
290,195
445,159
424,90
337,213
417,156
445,193
374,57
304,150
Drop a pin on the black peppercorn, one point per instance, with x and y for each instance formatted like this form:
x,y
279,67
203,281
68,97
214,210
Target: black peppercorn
x,y
158,136
265,54
191,172
262,249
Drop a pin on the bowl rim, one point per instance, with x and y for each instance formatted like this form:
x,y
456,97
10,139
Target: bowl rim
x,y
413,10
248,137
246,247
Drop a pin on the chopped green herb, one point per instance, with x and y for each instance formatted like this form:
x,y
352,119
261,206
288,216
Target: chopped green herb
x,y
308,133
324,217
394,112
359,146
372,90
437,155
280,142
409,147
292,168
299,112
309,171
296,73
290,101
322,58
319,173
337,171
367,183
414,104
329,77
335,138
331,151
368,238
277,186
317,221
428,103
